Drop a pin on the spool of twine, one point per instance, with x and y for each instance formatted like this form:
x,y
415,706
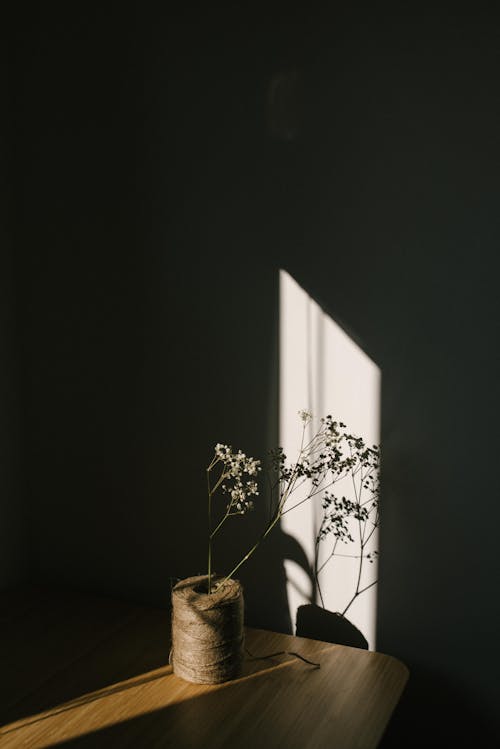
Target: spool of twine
x,y
207,630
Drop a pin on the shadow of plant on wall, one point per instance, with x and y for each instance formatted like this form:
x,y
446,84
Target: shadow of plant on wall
x,y
324,367
329,458
334,456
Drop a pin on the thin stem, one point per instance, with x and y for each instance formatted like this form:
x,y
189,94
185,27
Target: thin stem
x,y
358,593
367,586
360,568
213,463
332,553
316,571
228,513
312,494
272,490
270,495
221,478
350,556
254,547
375,526
209,533
297,505
353,482
362,534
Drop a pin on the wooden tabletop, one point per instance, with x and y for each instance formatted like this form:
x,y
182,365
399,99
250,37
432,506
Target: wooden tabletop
x,y
80,671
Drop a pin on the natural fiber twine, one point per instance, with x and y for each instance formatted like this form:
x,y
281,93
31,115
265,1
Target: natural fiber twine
x,y
207,630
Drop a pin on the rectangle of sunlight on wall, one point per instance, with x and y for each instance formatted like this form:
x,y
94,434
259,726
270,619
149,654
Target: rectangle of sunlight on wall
x,y
325,372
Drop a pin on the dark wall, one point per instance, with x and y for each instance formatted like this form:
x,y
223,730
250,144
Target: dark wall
x,y
81,279
158,208
401,237
13,552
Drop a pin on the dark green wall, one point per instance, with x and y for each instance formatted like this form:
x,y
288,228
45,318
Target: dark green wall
x,y
156,212
401,237
13,552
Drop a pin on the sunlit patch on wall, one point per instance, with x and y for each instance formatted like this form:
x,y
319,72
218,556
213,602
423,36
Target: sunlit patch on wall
x,y
324,371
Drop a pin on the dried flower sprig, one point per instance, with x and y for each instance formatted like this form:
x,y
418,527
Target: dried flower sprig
x,y
343,517
330,456
237,479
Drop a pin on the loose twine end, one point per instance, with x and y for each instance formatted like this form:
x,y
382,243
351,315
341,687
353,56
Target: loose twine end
x,y
282,652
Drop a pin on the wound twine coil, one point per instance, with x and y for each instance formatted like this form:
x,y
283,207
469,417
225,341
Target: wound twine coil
x,y
207,630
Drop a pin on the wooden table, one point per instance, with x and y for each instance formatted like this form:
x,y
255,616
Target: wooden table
x,y
90,672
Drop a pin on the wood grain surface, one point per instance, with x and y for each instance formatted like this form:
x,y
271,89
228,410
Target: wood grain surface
x,y
80,671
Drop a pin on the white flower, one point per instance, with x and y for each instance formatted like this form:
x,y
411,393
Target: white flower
x,y
237,466
306,416
222,451
252,466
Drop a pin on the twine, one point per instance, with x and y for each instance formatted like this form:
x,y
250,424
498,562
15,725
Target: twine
x,y
207,630
282,652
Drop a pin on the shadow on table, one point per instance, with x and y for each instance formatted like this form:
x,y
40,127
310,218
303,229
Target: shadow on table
x,y
192,721
434,713
60,646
